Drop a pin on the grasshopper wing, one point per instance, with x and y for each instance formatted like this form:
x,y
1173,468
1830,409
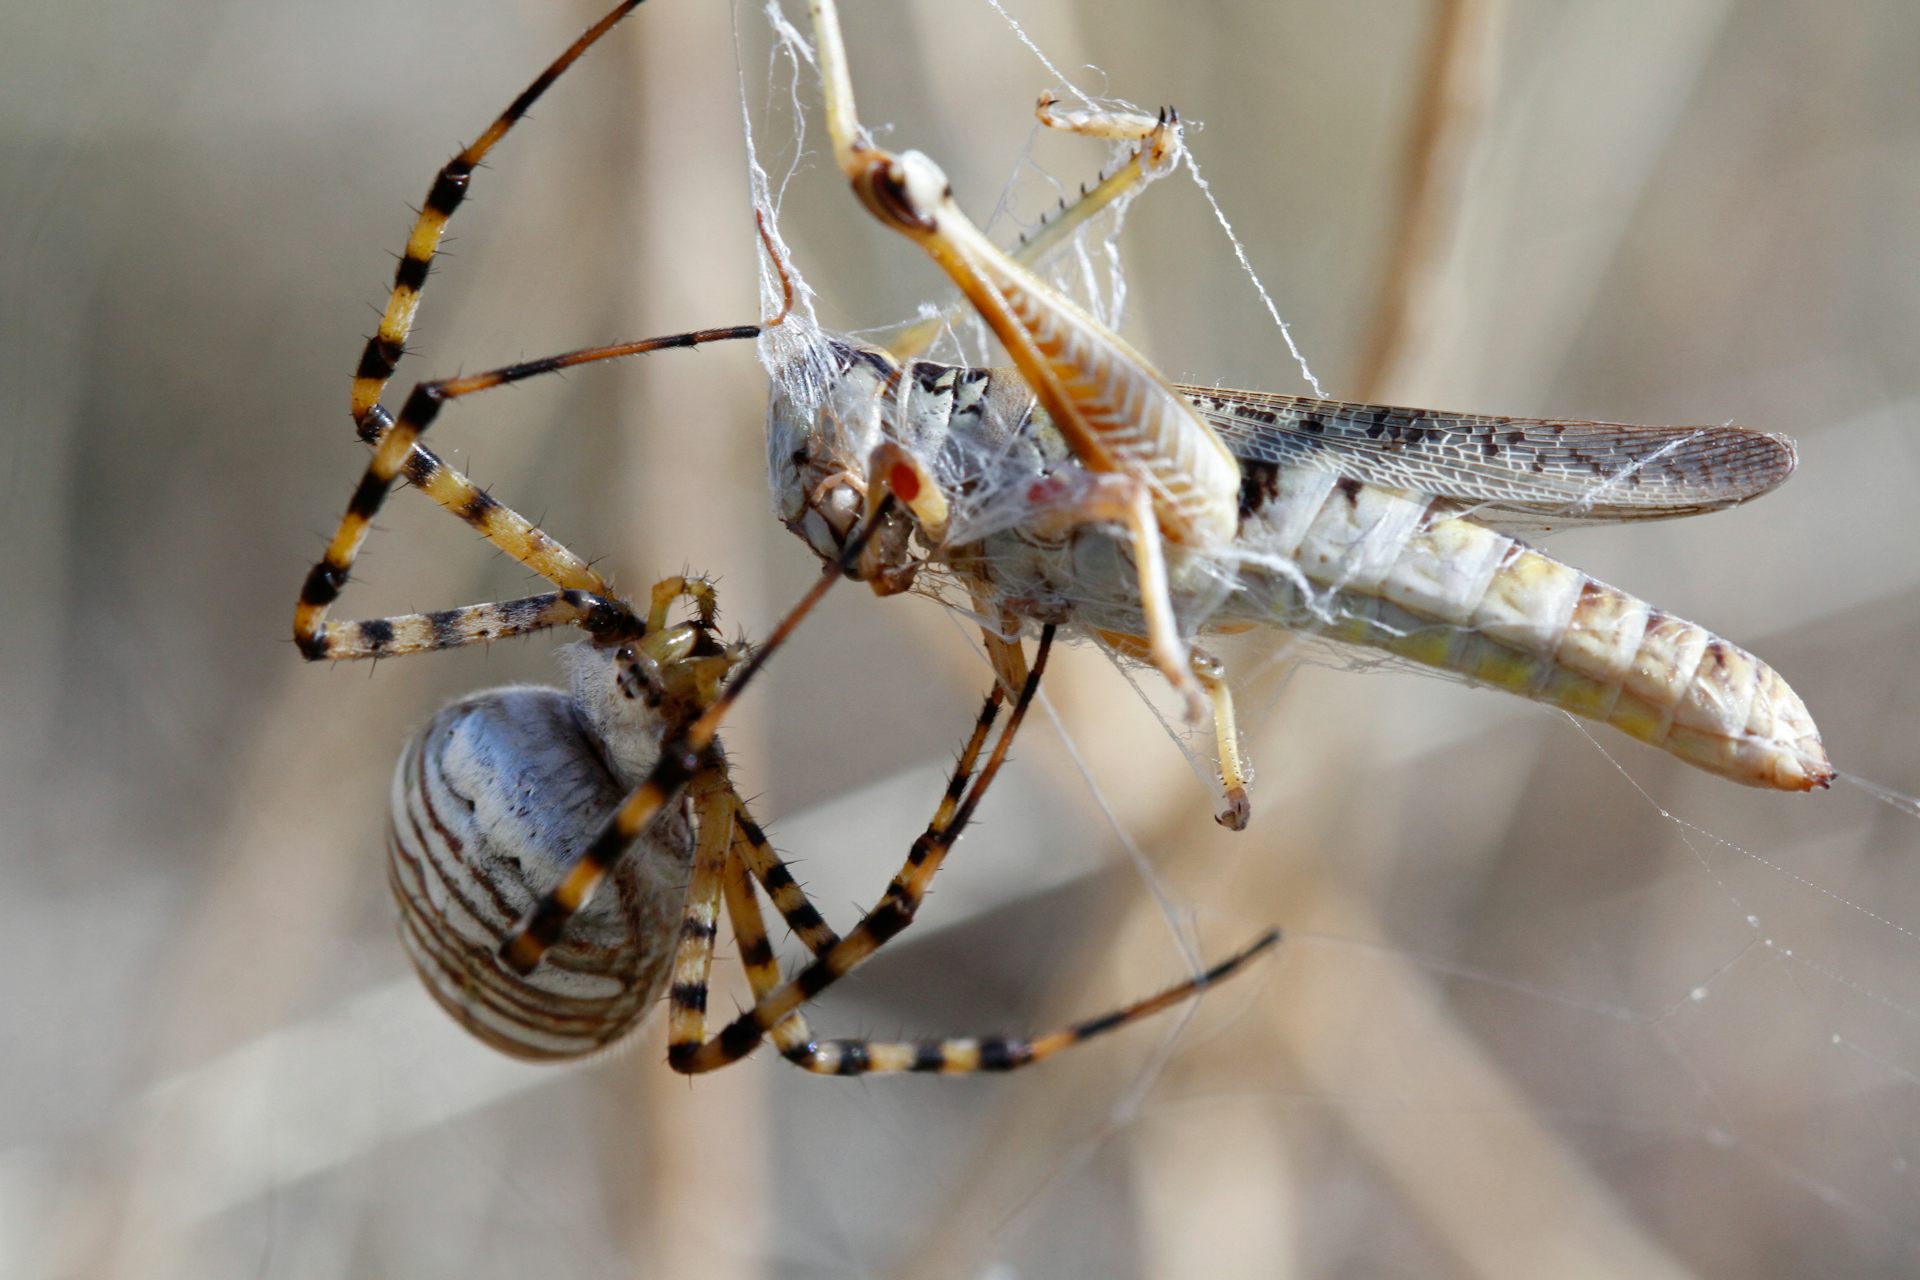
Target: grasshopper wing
x,y
1530,473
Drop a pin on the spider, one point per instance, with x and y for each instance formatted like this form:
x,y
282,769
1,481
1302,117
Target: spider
x,y
512,805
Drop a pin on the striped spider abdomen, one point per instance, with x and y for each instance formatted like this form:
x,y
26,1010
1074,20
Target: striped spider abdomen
x,y
491,803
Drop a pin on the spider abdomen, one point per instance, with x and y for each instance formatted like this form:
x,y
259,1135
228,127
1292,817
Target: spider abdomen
x,y
490,803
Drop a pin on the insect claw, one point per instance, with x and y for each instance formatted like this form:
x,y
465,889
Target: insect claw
x,y
1238,810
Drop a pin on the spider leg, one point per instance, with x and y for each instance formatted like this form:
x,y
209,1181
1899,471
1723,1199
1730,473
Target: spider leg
x,y
790,1034
750,858
789,899
405,633
968,1054
713,806
946,1055
510,532
397,450
388,344
757,857
894,912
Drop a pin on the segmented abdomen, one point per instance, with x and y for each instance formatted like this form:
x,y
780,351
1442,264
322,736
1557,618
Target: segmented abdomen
x,y
1399,574
488,804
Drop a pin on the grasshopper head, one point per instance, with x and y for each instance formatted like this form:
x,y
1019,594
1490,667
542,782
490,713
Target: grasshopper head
x,y
820,434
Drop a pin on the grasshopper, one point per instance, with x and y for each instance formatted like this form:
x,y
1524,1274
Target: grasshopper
x,y
1081,488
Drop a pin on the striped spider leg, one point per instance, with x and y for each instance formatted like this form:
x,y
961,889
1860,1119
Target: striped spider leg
x,y
776,1011
848,1057
399,453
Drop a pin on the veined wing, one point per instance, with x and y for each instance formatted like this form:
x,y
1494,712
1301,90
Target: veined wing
x,y
1544,471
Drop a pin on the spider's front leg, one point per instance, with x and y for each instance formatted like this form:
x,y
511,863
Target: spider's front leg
x,y
444,198
397,452
400,454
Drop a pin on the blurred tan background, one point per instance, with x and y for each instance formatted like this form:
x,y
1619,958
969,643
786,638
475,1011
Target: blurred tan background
x,y
1547,1007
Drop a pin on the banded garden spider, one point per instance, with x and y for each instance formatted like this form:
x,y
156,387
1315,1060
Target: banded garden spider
x,y
514,804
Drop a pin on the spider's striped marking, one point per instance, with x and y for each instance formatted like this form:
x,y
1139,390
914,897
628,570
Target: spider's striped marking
x,y
469,624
